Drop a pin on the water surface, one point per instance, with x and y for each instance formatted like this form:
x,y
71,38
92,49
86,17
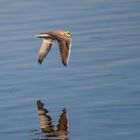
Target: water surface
x,y
100,87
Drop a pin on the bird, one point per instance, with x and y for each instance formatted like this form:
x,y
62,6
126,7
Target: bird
x,y
62,37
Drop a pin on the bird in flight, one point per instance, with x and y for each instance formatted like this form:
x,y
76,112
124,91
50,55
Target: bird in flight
x,y
64,41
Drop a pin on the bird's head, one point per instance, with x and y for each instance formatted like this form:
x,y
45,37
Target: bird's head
x,y
68,34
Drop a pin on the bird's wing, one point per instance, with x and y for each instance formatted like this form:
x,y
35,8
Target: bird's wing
x,y
44,49
65,50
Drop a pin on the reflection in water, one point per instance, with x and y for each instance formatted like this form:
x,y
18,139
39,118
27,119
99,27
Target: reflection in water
x,y
47,126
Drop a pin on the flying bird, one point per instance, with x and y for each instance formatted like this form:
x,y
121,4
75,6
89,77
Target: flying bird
x,y
64,41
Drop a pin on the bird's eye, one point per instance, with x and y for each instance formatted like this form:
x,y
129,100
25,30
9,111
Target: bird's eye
x,y
68,34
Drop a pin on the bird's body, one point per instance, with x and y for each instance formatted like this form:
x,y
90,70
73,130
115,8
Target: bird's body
x,y
64,40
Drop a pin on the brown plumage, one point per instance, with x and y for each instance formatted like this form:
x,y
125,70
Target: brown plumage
x,y
64,40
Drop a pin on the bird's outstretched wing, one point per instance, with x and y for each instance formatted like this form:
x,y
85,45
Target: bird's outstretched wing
x,y
44,49
65,50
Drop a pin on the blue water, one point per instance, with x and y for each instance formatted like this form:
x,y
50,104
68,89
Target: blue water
x,y
101,85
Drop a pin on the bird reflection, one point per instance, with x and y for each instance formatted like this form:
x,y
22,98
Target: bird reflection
x,y
60,130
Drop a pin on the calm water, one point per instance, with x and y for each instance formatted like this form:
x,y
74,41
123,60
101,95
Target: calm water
x,y
101,85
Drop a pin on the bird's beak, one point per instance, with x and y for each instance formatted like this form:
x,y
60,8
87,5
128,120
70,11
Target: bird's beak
x,y
42,35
